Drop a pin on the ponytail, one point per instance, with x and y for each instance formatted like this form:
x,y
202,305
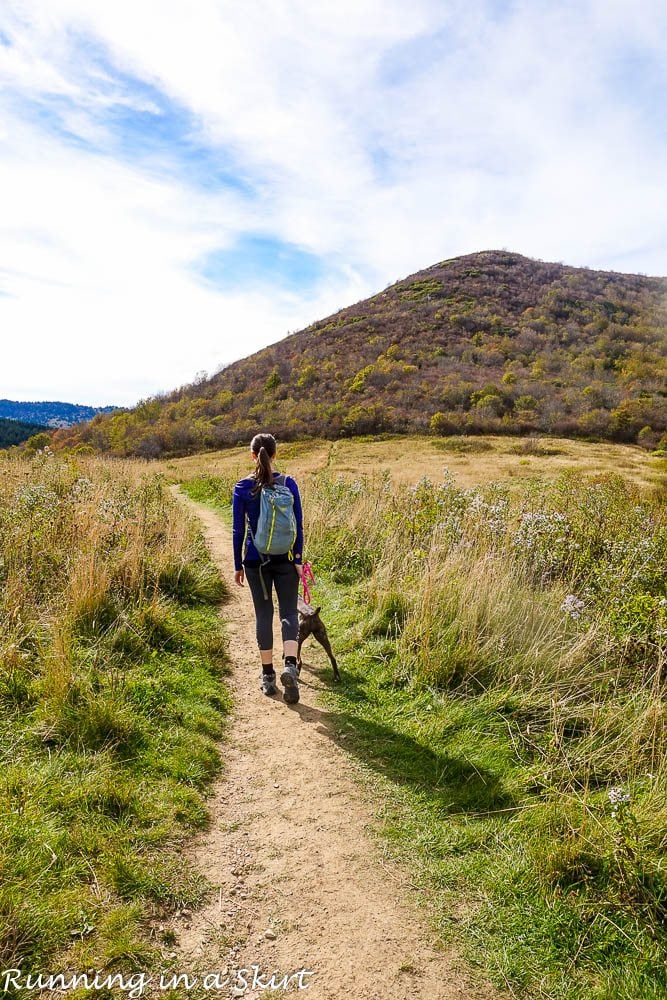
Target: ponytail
x,y
264,446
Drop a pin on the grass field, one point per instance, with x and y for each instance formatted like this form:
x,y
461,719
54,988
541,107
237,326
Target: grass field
x,y
504,648
471,460
111,655
502,629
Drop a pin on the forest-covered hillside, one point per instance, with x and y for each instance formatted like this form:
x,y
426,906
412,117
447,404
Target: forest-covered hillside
x,y
492,342
16,432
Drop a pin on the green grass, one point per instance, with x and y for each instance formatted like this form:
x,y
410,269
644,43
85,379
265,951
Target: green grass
x,y
498,859
213,491
112,703
97,797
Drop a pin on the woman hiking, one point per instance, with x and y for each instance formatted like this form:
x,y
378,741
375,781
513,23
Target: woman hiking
x,y
264,572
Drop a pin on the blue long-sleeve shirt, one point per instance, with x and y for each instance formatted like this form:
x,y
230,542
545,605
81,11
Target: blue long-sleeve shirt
x,y
245,507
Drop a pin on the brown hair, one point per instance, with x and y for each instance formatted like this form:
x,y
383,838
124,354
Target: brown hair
x,y
264,446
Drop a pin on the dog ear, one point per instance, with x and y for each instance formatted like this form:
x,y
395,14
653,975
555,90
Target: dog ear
x,y
317,610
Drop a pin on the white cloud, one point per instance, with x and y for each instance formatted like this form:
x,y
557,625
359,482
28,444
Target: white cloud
x,y
379,137
96,269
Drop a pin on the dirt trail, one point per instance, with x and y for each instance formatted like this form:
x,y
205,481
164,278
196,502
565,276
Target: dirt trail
x,y
290,850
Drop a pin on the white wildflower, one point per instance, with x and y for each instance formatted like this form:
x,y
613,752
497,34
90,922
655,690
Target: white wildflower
x,y
81,486
573,606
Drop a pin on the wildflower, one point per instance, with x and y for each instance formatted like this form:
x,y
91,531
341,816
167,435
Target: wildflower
x,y
37,497
573,606
617,795
81,486
618,798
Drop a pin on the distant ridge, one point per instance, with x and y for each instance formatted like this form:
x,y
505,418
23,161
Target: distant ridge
x,y
491,342
50,414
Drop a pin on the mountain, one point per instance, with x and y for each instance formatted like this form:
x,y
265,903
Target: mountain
x,y
491,342
16,432
50,414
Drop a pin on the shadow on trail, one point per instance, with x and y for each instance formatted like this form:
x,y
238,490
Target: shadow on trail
x,y
450,780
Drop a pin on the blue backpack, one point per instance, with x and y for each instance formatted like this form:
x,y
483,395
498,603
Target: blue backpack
x,y
276,527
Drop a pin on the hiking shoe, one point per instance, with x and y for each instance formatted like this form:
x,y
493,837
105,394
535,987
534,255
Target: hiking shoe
x,y
290,682
268,682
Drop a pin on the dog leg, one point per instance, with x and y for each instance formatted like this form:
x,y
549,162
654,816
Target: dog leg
x,y
323,639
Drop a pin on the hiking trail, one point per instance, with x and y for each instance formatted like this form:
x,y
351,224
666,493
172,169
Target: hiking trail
x,y
300,879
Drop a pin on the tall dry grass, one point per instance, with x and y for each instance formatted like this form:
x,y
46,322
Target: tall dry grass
x,y
503,655
531,626
472,459
110,700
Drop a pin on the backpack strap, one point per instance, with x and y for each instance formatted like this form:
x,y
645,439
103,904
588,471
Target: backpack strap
x,y
263,562
284,478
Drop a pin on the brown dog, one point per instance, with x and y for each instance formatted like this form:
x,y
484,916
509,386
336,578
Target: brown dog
x,y
310,623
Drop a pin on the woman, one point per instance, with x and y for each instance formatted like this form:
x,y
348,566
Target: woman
x,y
280,571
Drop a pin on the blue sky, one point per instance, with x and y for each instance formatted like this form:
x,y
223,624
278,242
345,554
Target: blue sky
x,y
182,184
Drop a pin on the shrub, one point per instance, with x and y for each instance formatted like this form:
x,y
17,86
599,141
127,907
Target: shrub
x,y
37,441
442,423
273,381
525,402
463,445
364,419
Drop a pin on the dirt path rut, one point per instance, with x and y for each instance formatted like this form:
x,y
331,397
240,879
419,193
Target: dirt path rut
x,y
301,883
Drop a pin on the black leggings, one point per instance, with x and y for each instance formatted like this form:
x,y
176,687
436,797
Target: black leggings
x,y
284,577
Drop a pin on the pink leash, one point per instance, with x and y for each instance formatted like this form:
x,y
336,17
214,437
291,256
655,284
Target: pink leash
x,y
306,578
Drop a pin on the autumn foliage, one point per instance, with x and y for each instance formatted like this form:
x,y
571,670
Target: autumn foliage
x,y
491,342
